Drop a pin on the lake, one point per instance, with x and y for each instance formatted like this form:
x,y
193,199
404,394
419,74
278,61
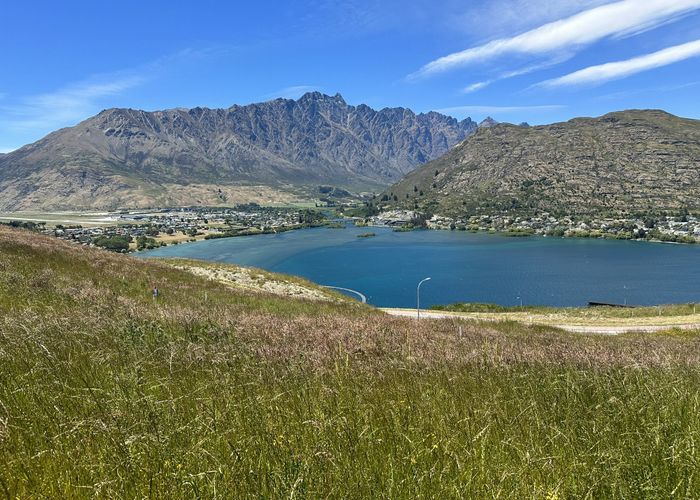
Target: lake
x,y
466,267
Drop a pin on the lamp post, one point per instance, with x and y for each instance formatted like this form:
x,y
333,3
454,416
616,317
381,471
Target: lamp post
x,y
418,295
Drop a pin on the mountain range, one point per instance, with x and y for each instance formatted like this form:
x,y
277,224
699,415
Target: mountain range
x,y
629,162
279,150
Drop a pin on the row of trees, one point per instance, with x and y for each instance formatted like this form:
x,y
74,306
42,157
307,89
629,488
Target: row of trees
x,y
121,244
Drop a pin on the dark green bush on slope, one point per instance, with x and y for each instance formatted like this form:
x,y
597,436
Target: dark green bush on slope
x,y
113,243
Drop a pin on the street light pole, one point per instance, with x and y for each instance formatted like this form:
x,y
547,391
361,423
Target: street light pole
x,y
418,295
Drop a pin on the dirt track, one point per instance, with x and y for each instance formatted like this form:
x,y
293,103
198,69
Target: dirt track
x,y
596,329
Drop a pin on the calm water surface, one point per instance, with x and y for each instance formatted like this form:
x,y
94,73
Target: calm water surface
x,y
466,267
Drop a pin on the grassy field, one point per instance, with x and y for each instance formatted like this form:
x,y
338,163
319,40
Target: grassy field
x,y
86,219
213,392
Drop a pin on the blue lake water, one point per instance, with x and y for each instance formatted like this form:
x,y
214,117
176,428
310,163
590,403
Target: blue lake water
x,y
467,267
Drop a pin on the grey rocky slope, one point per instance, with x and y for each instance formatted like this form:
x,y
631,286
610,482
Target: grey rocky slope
x,y
629,162
270,151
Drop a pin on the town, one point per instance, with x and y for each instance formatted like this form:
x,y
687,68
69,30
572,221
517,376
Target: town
x,y
126,231
679,229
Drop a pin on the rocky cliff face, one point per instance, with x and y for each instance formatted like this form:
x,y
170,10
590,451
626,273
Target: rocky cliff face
x,y
621,163
125,157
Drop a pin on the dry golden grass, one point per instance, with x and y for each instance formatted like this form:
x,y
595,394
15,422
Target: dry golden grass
x,y
665,315
210,391
84,281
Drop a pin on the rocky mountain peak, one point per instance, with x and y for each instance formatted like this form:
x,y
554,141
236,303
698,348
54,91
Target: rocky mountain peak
x,y
488,122
316,96
127,157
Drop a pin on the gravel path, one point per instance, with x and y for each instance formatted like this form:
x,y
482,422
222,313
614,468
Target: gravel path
x,y
597,329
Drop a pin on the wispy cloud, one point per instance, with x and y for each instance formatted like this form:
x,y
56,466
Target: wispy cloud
x,y
476,86
503,110
30,116
567,35
67,104
293,92
64,106
648,90
510,74
498,18
621,69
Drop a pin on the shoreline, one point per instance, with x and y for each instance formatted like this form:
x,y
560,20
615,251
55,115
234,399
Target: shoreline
x,y
518,234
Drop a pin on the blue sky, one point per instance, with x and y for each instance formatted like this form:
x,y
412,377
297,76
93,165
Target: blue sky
x,y
517,60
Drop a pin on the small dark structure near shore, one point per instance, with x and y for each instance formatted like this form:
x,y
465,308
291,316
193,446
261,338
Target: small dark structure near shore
x,y
606,304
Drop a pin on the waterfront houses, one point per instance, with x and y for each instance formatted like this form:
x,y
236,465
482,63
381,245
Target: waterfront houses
x,y
173,226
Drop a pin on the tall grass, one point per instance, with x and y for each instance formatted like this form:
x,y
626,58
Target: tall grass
x,y
106,392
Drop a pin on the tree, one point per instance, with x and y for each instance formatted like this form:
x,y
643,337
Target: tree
x,y
113,243
146,243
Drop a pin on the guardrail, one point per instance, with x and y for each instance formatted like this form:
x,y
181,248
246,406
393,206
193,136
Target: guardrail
x,y
362,297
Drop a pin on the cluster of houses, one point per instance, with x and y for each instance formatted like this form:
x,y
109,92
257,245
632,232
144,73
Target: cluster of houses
x,y
684,228
398,218
166,225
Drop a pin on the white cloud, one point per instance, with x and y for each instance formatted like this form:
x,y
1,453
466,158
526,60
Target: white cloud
x,y
503,110
498,18
293,92
65,105
25,117
476,86
612,20
622,69
509,74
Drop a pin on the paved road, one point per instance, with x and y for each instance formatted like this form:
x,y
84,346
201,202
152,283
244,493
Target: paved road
x,y
599,329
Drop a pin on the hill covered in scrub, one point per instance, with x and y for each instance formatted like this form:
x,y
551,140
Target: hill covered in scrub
x,y
629,162
214,389
279,150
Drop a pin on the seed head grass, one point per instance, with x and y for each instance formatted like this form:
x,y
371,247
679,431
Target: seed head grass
x,y
207,391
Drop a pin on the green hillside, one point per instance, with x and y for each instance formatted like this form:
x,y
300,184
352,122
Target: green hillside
x,y
217,391
630,162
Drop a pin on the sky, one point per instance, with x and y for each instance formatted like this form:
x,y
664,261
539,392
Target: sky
x,y
539,61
